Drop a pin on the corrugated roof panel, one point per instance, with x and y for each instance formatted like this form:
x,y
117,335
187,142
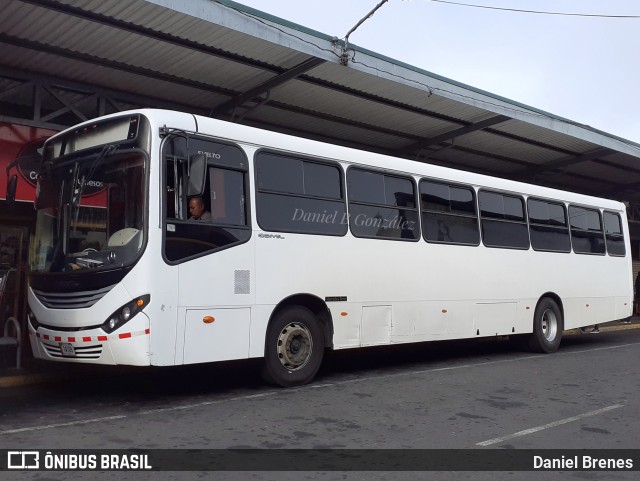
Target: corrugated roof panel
x,y
196,29
307,126
415,97
599,170
622,160
317,98
473,162
487,142
163,91
574,183
549,137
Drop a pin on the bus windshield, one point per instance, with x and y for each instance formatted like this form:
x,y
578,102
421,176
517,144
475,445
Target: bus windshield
x,y
90,211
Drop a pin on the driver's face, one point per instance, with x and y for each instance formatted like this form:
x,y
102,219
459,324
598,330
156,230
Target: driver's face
x,y
195,208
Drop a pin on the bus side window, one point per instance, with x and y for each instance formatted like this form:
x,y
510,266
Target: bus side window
x,y
614,235
503,221
587,235
449,213
548,226
224,199
382,206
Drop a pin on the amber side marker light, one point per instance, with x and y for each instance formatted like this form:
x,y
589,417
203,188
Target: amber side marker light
x,y
208,319
343,314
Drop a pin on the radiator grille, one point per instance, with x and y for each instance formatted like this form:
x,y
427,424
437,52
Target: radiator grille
x,y
71,300
83,352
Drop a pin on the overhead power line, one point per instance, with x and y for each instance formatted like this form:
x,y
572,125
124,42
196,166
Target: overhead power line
x,y
539,12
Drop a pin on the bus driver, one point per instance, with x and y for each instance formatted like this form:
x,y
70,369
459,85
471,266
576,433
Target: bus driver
x,y
198,210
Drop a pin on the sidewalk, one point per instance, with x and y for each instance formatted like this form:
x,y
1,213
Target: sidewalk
x,y
44,372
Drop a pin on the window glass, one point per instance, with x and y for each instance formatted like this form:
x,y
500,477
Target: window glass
x,y
513,208
366,187
462,200
218,218
587,236
450,229
491,205
322,180
548,226
435,197
369,193
227,196
383,222
279,174
497,233
548,238
557,215
614,235
313,202
449,214
399,192
612,224
547,213
585,219
500,206
502,220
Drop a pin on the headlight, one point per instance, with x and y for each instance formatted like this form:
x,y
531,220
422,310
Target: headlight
x,y
126,312
32,319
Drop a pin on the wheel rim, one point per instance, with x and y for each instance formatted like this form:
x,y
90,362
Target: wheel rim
x,y
549,325
295,345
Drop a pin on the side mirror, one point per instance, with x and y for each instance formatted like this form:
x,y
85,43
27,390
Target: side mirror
x,y
197,171
12,185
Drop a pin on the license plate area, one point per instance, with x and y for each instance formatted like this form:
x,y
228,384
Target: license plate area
x,y
67,350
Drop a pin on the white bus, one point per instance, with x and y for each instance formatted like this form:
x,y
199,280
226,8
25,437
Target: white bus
x,y
306,247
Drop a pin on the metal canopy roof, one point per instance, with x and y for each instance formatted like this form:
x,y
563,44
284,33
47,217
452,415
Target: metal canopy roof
x,y
65,61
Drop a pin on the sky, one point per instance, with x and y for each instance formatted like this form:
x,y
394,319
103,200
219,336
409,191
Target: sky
x,y
585,69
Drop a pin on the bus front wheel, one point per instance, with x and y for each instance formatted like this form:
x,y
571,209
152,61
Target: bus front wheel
x,y
547,327
294,347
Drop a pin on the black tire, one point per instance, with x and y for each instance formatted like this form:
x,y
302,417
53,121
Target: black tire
x,y
547,327
294,347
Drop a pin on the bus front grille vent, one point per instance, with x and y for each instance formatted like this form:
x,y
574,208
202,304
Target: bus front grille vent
x,y
71,300
242,282
81,352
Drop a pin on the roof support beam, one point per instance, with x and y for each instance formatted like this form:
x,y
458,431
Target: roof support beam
x,y
452,134
267,86
564,162
95,101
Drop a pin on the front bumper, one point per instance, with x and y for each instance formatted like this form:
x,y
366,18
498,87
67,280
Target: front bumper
x,y
128,345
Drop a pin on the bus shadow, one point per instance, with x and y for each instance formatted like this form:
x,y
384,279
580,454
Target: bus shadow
x,y
157,387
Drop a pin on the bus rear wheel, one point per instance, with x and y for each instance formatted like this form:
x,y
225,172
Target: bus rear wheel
x,y
547,327
294,347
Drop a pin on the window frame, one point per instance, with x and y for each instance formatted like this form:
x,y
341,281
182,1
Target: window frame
x,y
504,221
566,219
571,228
302,158
387,173
621,235
449,184
165,221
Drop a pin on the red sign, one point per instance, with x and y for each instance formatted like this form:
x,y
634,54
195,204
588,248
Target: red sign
x,y
20,141
22,146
